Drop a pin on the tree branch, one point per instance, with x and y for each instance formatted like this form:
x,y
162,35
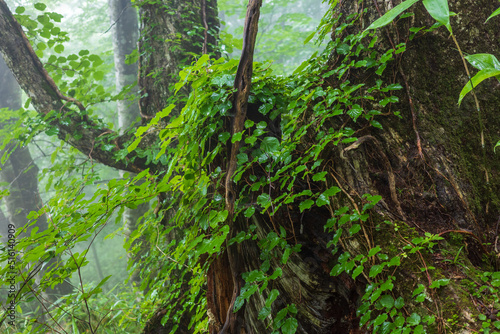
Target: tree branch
x,y
75,127
242,83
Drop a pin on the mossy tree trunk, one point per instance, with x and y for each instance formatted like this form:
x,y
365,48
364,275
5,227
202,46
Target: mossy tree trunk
x,y
172,32
430,169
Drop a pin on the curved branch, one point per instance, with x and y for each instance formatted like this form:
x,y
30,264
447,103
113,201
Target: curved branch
x,y
242,83
75,128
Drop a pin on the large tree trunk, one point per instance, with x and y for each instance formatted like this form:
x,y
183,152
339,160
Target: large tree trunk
x,y
429,167
176,31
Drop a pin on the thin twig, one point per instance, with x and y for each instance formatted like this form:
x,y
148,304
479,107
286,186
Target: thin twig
x,y
118,19
478,109
413,113
204,16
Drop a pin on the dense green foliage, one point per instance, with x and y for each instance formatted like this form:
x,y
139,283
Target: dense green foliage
x,y
281,162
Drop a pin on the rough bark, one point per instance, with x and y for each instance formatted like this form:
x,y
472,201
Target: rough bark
x,y
172,33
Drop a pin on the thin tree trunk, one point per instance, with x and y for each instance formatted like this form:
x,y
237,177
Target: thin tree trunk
x,y
429,168
21,173
125,35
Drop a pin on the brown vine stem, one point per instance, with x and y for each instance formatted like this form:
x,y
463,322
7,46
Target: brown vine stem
x,y
167,256
242,84
413,113
205,25
478,109
369,244
407,86
468,233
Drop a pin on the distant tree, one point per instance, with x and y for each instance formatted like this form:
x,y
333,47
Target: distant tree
x,y
20,174
123,17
